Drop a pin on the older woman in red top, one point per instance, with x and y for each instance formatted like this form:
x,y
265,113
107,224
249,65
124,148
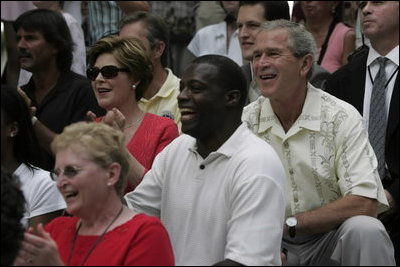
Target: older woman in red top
x,y
90,170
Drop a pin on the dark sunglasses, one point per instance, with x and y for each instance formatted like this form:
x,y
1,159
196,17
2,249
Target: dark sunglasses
x,y
108,72
69,171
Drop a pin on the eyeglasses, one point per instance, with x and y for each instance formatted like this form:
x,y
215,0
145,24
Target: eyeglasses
x,y
69,171
107,72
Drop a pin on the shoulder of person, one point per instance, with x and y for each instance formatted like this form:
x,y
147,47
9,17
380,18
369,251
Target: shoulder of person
x,y
339,107
358,53
64,223
76,81
164,120
357,60
41,178
146,219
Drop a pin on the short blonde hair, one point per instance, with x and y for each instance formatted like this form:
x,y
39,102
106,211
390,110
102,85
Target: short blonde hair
x,y
102,143
130,53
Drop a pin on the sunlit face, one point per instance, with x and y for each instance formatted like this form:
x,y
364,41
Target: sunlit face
x,y
276,70
81,182
380,19
248,21
114,92
201,101
35,53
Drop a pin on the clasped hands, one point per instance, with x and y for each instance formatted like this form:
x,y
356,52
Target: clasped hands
x,y
113,117
38,249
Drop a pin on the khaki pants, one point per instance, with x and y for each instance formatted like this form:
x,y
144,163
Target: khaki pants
x,y
359,241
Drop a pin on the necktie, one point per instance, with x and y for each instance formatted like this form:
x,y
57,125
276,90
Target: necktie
x,y
377,116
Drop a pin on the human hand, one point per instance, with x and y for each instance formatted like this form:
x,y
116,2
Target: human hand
x,y
391,201
115,119
389,215
38,249
90,116
28,101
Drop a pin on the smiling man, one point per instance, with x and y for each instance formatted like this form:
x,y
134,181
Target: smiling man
x,y
250,16
334,192
211,188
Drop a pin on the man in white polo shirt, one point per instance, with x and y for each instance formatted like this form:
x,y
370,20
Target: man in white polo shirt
x,y
218,188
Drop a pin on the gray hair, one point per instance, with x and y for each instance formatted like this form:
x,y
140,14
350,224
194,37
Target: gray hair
x,y
301,42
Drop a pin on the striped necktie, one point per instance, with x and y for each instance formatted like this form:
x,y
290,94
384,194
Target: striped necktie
x,y
377,116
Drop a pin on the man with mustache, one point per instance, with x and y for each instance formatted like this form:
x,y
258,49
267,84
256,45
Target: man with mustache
x,y
57,96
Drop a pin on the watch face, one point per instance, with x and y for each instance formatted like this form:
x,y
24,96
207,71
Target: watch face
x,y
291,221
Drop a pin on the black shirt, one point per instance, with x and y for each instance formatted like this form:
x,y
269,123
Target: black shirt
x,y
66,103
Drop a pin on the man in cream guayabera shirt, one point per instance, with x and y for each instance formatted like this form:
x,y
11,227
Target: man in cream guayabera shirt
x,y
333,188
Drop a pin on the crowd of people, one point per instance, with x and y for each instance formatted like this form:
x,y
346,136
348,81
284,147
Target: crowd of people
x,y
148,133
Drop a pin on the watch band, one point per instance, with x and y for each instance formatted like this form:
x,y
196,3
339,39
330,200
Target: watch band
x,y
291,223
292,231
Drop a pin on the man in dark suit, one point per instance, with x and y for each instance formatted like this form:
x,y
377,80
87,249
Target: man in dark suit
x,y
354,83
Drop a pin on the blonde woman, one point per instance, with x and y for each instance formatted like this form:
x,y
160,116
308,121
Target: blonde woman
x,y
90,170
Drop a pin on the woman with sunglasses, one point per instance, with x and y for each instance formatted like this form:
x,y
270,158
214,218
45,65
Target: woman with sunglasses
x,y
121,71
91,170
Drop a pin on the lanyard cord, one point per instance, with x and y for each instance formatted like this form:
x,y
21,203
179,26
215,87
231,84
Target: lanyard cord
x,y
391,76
95,243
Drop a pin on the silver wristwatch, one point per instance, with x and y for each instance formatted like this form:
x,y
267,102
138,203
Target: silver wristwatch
x,y
291,223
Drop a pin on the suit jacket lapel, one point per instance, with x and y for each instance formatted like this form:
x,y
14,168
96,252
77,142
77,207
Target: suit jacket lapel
x,y
393,119
356,83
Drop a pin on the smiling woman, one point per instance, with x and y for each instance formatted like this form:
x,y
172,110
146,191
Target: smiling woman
x,y
121,71
91,167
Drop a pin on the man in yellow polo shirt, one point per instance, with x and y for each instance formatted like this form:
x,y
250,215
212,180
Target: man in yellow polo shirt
x,y
161,96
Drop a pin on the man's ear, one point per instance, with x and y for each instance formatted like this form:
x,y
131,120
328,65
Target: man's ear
x,y
232,98
158,50
306,64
